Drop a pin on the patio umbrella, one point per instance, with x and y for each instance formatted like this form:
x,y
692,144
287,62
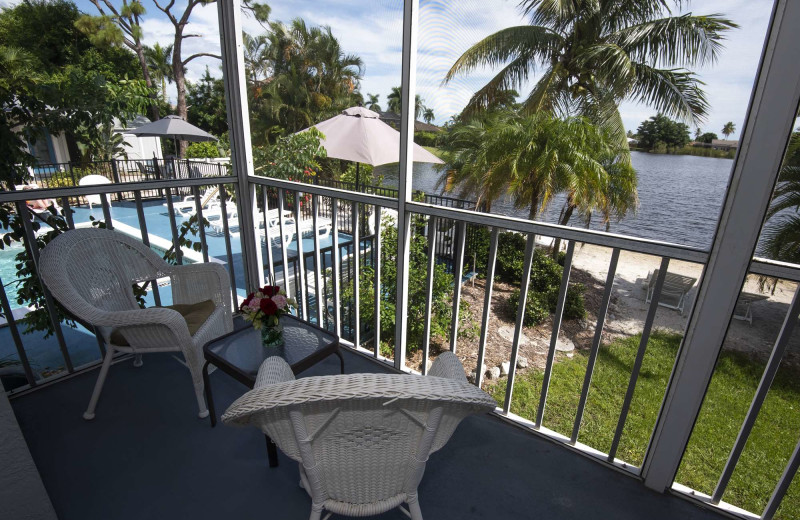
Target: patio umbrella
x,y
174,127
358,135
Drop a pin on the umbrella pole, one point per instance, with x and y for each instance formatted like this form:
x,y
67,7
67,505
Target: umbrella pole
x,y
357,165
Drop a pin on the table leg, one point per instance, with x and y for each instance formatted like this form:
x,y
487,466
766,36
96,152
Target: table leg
x,y
341,360
272,452
209,398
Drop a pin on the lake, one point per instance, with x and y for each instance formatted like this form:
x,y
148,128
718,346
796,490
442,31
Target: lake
x,y
680,197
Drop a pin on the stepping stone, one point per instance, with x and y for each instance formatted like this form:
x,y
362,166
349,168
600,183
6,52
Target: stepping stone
x,y
565,345
507,333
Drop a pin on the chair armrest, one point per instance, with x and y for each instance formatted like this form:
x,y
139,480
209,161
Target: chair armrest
x,y
146,327
448,366
273,370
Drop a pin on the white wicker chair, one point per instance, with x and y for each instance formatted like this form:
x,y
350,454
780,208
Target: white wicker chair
x,y
91,273
362,440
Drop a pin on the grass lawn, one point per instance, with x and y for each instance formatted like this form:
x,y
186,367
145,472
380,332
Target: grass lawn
x,y
435,151
736,377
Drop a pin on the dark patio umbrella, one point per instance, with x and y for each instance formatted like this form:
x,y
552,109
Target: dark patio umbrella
x,y
174,127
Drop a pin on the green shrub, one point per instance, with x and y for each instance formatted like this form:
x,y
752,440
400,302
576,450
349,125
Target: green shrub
x,y
546,275
426,138
510,257
536,308
204,150
442,309
477,247
541,304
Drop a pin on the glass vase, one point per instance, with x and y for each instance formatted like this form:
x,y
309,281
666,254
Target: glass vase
x,y
272,336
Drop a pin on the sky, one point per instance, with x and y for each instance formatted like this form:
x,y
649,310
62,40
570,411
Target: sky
x,y
372,29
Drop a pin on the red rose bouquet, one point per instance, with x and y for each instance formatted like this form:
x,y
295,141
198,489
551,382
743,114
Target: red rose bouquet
x,y
263,309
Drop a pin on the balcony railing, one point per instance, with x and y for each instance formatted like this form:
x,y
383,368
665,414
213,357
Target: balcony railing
x,y
330,234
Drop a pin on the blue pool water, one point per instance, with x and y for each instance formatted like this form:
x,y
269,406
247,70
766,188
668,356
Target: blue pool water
x,y
8,271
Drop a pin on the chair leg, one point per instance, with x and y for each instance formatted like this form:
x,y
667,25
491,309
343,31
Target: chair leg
x,y
201,401
98,386
413,507
316,512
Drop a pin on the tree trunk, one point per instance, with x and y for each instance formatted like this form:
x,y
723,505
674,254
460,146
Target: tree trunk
x,y
148,80
564,220
180,83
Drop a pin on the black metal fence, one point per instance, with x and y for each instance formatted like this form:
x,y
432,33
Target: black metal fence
x,y
62,175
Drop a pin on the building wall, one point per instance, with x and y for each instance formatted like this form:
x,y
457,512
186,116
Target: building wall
x,y
139,148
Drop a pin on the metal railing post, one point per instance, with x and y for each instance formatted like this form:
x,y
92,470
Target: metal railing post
x,y
408,85
230,26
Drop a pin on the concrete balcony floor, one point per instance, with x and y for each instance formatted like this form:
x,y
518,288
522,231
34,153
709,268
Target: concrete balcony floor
x,y
147,456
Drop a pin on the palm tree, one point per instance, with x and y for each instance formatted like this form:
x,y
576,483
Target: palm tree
x,y
594,54
394,99
534,157
372,104
781,235
256,64
728,129
697,133
308,77
427,115
159,62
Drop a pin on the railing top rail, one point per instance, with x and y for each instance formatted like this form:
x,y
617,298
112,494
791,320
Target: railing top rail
x,y
776,269
600,238
76,191
363,198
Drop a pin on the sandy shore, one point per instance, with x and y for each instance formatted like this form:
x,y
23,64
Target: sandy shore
x,y
631,309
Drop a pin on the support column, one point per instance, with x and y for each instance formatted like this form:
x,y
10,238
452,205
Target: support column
x,y
408,85
766,133
231,46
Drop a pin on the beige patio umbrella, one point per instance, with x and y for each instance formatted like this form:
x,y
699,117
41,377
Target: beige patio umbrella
x,y
358,135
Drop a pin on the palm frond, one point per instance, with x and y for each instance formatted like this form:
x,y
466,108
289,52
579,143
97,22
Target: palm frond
x,y
676,41
557,13
781,239
526,42
510,77
624,13
674,92
548,94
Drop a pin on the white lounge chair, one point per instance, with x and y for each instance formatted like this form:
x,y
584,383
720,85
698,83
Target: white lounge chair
x,y
215,218
743,310
674,291
362,440
187,206
306,228
91,273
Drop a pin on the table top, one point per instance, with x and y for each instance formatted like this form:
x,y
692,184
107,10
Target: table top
x,y
240,353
